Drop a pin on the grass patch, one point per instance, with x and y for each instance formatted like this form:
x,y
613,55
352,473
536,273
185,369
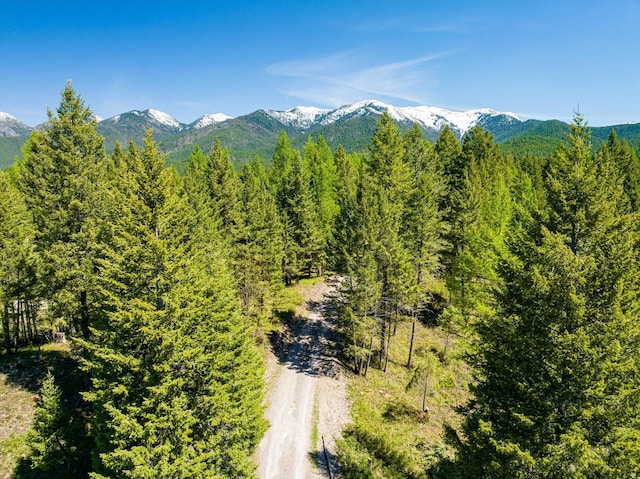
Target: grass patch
x,y
315,421
17,407
311,281
292,297
391,436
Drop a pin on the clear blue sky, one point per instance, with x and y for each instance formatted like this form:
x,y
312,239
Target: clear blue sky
x,y
538,59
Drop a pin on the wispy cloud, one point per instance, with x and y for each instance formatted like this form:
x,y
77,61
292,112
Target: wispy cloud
x,y
342,77
194,105
456,26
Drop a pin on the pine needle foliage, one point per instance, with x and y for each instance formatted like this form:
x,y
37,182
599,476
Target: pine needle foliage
x,y
558,362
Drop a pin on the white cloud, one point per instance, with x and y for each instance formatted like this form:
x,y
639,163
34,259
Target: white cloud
x,y
341,78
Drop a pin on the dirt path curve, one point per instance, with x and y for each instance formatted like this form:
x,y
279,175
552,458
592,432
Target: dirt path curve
x,y
307,399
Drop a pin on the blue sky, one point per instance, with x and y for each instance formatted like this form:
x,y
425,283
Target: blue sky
x,y
538,59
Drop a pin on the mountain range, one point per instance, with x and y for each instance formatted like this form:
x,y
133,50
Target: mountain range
x,y
350,125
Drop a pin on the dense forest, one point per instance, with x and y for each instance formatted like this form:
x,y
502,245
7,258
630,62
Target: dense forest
x,y
164,282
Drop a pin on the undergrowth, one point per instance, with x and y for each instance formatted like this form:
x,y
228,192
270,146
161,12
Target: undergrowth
x,y
21,376
391,435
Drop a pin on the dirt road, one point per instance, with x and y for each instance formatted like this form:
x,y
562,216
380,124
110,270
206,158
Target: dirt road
x,y
307,400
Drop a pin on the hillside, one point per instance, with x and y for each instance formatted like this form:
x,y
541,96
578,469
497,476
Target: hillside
x,y
352,125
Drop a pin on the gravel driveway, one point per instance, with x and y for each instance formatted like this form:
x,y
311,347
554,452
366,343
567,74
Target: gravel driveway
x,y
307,390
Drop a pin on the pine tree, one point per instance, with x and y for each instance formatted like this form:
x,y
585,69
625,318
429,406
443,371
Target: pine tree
x,y
281,164
260,249
322,165
480,213
123,349
46,438
177,381
225,190
360,300
18,264
558,362
304,223
61,180
423,226
449,152
383,191
627,164
344,236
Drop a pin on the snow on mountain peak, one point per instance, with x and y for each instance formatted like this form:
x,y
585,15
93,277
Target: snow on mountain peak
x,y
163,118
12,126
211,119
462,121
7,117
299,117
426,116
360,108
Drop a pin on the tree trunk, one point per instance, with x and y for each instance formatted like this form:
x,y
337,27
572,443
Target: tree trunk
x,y
27,321
25,333
32,318
6,329
413,335
370,354
386,356
424,395
383,341
84,315
446,342
17,332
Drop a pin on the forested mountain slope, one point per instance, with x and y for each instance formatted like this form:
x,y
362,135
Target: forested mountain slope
x,y
487,304
350,126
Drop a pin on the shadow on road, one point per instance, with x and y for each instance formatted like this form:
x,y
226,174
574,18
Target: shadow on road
x,y
308,343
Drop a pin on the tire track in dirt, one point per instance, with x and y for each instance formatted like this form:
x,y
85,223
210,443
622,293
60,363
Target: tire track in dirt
x,y
307,378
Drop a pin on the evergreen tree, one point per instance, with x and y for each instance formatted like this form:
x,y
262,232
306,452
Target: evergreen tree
x,y
177,381
344,236
392,186
360,300
627,164
281,164
320,160
296,207
303,222
423,226
383,191
225,191
46,438
18,264
260,249
449,152
480,213
61,180
558,363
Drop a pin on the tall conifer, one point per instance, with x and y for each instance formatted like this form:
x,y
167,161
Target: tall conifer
x,y
177,381
62,175
558,362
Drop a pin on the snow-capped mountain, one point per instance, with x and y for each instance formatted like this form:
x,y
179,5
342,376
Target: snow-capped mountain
x,y
427,117
161,122
299,117
302,118
10,126
256,133
163,118
208,120
149,118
